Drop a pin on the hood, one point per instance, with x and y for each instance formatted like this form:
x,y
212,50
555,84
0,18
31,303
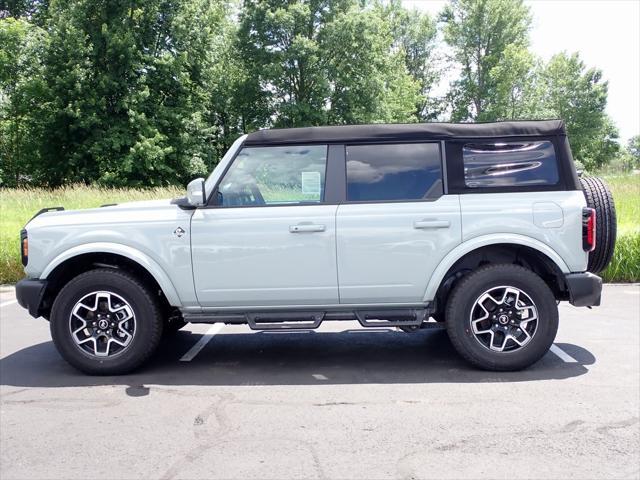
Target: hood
x,y
117,213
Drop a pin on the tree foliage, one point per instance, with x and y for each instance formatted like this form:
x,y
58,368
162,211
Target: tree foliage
x,y
487,37
633,150
414,36
22,91
579,96
153,92
324,61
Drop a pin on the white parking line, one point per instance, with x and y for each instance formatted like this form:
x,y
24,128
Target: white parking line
x,y
10,302
564,356
319,376
190,355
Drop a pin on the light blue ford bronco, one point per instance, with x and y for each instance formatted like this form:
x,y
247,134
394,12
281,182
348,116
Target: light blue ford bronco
x,y
477,228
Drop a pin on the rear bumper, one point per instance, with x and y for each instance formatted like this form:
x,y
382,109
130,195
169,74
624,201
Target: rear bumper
x,y
585,289
30,294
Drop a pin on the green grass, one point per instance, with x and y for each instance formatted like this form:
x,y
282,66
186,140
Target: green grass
x,y
18,205
625,266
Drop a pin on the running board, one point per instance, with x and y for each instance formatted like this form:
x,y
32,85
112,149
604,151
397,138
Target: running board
x,y
284,320
309,320
391,318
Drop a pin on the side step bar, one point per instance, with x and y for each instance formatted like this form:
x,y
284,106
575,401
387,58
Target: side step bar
x,y
284,320
391,318
309,320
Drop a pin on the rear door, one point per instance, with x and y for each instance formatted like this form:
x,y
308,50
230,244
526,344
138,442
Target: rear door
x,y
397,223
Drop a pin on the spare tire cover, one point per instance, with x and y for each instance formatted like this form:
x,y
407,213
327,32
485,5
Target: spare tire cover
x,y
599,198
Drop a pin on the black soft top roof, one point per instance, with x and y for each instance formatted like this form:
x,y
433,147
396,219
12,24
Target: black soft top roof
x,y
402,132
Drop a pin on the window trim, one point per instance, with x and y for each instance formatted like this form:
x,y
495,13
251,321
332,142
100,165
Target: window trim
x,y
211,200
443,175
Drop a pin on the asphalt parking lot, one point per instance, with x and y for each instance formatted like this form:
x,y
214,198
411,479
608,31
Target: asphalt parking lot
x,y
331,404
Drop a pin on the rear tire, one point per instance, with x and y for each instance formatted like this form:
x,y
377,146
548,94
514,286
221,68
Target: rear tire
x,y
478,328
599,197
106,322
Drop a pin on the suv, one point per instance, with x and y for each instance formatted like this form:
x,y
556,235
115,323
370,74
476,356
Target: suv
x,y
477,228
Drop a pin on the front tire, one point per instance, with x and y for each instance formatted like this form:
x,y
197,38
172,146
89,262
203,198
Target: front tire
x,y
106,322
502,317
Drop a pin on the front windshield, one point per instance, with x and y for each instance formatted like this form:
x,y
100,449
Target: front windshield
x,y
213,178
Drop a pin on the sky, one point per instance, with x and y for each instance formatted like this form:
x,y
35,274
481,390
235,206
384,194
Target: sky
x,y
606,33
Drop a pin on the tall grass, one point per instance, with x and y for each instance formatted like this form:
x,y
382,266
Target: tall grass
x,y
18,205
625,265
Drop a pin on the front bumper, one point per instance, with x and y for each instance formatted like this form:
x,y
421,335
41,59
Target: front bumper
x,y
30,295
585,289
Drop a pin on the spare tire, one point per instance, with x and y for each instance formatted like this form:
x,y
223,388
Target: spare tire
x,y
599,198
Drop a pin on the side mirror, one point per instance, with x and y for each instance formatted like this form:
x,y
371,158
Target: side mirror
x,y
195,192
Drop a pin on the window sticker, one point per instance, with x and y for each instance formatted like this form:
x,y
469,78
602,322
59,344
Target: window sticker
x,y
311,183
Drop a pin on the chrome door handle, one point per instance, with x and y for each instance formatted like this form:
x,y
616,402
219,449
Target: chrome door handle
x,y
423,224
307,227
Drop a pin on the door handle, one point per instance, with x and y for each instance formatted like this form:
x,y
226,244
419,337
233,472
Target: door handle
x,y
424,224
307,227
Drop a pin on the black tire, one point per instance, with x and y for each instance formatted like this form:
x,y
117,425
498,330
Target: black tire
x,y
148,322
462,299
599,198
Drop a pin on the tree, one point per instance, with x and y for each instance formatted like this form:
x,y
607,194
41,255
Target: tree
x,y
127,85
516,94
150,92
236,103
579,96
415,33
633,149
21,89
369,82
279,41
33,11
486,36
324,61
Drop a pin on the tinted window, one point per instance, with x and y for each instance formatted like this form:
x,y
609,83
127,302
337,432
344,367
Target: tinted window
x,y
275,176
509,164
393,172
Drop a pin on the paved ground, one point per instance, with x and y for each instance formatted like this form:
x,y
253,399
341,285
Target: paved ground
x,y
360,404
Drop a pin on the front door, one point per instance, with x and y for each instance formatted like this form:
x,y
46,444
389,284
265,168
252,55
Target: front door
x,y
269,240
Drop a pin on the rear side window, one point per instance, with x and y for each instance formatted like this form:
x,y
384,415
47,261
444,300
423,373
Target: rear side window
x,y
509,164
410,171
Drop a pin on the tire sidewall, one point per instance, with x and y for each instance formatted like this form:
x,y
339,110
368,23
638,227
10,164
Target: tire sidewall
x,y
143,308
464,297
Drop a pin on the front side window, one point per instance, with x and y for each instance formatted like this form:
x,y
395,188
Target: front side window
x,y
274,176
410,171
509,164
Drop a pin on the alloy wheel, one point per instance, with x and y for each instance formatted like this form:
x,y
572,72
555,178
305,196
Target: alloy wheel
x,y
504,319
102,324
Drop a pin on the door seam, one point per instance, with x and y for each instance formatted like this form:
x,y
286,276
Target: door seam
x,y
335,237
